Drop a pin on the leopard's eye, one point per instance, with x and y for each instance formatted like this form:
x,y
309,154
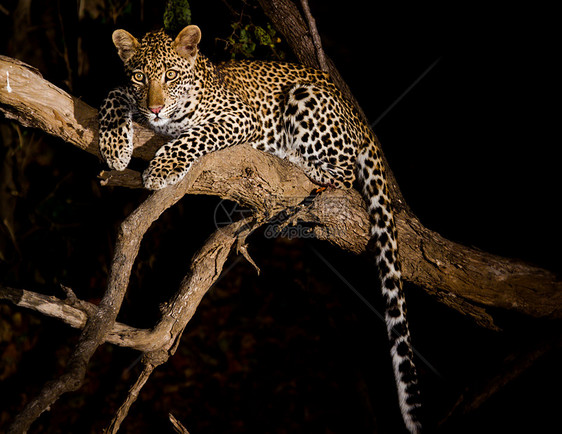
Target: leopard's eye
x,y
138,77
171,75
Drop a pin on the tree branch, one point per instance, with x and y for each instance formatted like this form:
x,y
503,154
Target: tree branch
x,y
75,315
101,322
463,278
178,427
158,344
315,36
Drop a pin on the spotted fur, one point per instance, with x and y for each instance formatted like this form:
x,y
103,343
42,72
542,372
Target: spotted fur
x,y
288,110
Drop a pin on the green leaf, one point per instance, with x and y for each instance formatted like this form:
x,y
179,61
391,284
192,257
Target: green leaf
x,y
176,16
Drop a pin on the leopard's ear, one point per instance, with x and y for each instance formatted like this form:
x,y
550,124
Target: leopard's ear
x,y
186,42
126,44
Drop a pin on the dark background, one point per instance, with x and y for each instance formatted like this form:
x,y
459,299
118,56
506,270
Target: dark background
x,y
472,145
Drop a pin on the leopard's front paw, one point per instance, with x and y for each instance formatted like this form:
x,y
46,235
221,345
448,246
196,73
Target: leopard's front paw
x,y
118,162
162,172
116,129
116,150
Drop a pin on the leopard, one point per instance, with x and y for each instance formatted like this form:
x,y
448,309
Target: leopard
x,y
286,109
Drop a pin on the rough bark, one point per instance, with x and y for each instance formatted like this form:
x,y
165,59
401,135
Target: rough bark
x,y
464,278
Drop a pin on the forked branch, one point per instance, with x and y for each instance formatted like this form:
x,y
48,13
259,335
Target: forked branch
x,y
465,279
102,320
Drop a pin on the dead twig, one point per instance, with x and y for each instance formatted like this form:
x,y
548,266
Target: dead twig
x,y
178,427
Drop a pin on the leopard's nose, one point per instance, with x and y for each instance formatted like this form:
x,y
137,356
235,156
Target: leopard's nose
x,y
155,109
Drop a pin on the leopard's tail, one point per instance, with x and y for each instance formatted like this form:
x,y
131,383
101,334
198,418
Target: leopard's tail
x,y
384,246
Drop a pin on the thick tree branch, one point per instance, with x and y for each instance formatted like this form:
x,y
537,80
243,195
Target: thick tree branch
x,y
287,18
34,102
465,279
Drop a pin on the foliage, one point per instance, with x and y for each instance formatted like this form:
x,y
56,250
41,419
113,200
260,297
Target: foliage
x,y
247,38
176,16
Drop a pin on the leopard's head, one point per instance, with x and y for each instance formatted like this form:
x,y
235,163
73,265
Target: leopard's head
x,y
160,69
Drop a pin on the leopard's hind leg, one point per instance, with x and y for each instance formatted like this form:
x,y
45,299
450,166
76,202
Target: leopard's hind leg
x,y
317,141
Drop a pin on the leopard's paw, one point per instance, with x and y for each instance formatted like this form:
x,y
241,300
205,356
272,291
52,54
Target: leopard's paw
x,y
116,130
116,148
162,172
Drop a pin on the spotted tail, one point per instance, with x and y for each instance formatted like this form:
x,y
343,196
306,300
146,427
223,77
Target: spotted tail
x,y
385,248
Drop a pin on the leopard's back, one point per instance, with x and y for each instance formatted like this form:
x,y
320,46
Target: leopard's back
x,y
269,87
